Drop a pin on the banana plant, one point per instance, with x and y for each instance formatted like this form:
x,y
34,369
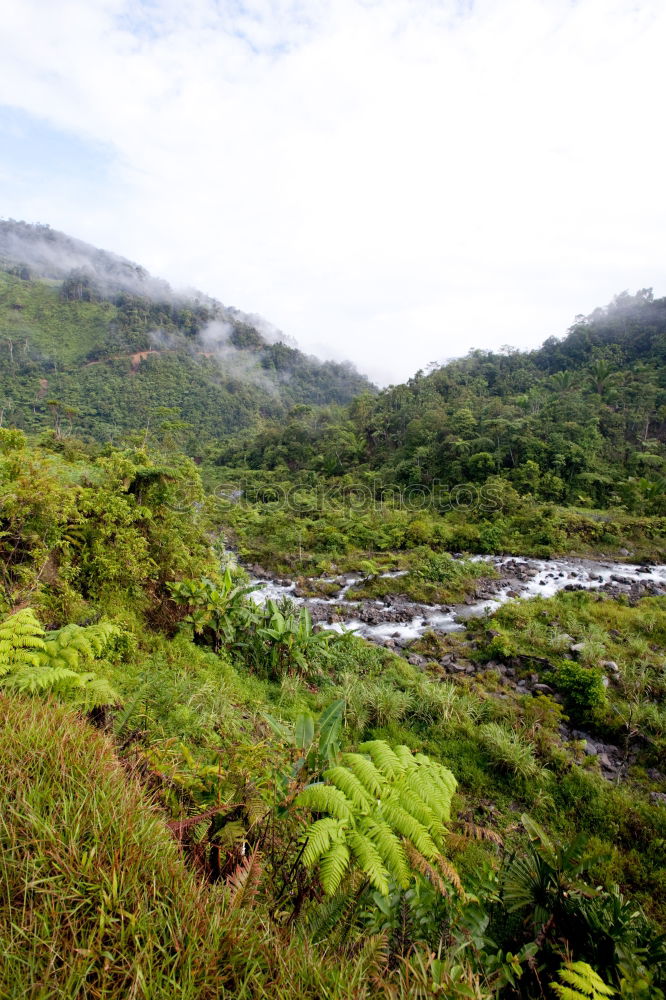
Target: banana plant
x,y
284,640
218,611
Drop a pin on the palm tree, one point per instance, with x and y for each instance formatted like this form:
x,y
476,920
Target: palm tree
x,y
547,881
601,376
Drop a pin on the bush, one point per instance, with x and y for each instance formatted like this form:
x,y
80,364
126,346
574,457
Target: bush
x,y
582,687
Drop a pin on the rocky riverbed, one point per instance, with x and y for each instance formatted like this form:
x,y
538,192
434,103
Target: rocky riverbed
x,y
396,618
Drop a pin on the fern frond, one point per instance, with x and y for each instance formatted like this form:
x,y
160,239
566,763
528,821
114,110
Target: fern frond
x,y
326,799
409,827
243,882
371,779
389,846
449,872
581,983
19,633
332,866
35,678
94,692
333,913
373,957
369,861
417,808
384,758
471,831
319,837
422,865
404,755
347,782
425,783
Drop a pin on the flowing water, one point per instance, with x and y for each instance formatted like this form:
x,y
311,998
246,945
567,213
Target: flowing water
x,y
520,577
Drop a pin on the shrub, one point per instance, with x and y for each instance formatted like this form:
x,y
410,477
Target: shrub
x,y
582,687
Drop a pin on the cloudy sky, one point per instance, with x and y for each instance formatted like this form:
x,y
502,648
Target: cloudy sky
x,y
391,181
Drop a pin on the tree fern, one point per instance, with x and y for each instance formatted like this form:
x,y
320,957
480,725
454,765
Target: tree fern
x,y
349,785
366,772
369,860
581,982
333,865
327,798
373,805
21,641
33,661
322,835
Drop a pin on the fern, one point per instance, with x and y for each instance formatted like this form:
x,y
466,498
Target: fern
x,y
581,982
35,662
429,871
333,865
379,804
366,772
384,758
321,836
327,798
369,860
347,782
243,882
21,641
390,848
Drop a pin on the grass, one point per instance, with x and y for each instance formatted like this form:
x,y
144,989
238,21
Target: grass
x,y
96,902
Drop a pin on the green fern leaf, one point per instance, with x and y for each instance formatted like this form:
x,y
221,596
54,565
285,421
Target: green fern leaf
x,y
348,783
389,847
369,861
417,808
333,865
404,755
409,827
326,799
319,838
581,982
384,758
371,779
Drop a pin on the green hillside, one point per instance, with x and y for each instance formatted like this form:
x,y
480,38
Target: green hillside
x,y
206,794
272,810
98,349
581,421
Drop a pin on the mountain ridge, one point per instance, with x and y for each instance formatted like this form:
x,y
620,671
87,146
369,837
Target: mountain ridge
x,y
69,312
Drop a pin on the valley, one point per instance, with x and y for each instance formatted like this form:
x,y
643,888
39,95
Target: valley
x,y
311,689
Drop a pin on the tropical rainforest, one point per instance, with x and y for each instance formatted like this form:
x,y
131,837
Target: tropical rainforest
x,y
213,782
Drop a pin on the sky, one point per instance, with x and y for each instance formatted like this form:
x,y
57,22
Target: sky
x,y
393,182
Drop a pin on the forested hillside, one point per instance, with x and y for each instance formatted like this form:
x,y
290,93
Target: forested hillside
x,y
580,421
272,809
92,345
308,691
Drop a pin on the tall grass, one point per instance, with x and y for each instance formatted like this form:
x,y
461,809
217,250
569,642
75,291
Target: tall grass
x,y
96,902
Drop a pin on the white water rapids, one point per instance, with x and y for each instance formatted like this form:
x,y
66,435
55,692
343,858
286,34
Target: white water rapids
x,y
546,579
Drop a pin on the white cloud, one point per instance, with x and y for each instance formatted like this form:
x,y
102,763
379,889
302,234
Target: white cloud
x,y
392,181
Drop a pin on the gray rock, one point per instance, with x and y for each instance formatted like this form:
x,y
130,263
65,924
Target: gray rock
x,y
658,798
543,688
611,666
577,648
416,660
591,749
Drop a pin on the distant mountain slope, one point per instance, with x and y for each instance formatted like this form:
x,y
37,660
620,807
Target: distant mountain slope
x,y
94,342
580,421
